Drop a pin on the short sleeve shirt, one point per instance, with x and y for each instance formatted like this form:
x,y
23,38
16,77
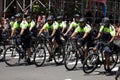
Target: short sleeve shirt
x,y
62,24
32,24
15,26
24,24
110,30
87,28
53,26
74,24
11,23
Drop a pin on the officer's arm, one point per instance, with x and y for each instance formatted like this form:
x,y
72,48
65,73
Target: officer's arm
x,y
22,31
85,35
63,29
113,34
99,34
13,29
12,33
118,31
87,31
71,25
32,26
23,27
55,27
43,28
73,34
68,30
64,26
101,29
112,39
54,31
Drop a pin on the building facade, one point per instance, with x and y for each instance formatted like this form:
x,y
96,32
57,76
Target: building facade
x,y
1,8
69,7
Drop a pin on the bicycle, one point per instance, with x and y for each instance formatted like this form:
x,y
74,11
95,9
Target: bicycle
x,y
15,52
41,52
117,75
96,58
3,44
73,54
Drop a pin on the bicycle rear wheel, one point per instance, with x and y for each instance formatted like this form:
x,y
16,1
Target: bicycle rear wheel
x,y
1,54
117,75
71,59
12,56
39,56
2,50
113,57
59,56
90,63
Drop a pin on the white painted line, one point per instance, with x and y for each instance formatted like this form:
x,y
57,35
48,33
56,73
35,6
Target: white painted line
x,y
115,69
2,55
68,79
74,63
39,58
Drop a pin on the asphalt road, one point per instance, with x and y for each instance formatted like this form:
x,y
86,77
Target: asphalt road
x,y
49,72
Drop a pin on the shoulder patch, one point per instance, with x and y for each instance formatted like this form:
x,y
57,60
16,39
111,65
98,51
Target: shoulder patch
x,y
112,27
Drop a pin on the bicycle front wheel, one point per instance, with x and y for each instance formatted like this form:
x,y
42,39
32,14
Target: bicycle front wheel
x,y
71,59
90,63
11,56
39,56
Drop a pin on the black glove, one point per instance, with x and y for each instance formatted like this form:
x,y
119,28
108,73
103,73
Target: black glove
x,y
19,36
81,39
31,33
12,37
66,37
62,33
70,38
50,37
108,43
96,38
38,35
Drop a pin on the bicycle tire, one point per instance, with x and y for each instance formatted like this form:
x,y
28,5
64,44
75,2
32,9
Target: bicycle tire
x,y
88,65
113,59
14,55
59,56
39,57
68,62
2,50
1,54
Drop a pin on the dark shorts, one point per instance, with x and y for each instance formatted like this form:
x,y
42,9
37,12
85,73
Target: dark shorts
x,y
86,43
1,38
26,42
57,38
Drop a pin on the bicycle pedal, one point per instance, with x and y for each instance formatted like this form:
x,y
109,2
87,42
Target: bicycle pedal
x,y
22,56
1,50
116,78
48,60
2,60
